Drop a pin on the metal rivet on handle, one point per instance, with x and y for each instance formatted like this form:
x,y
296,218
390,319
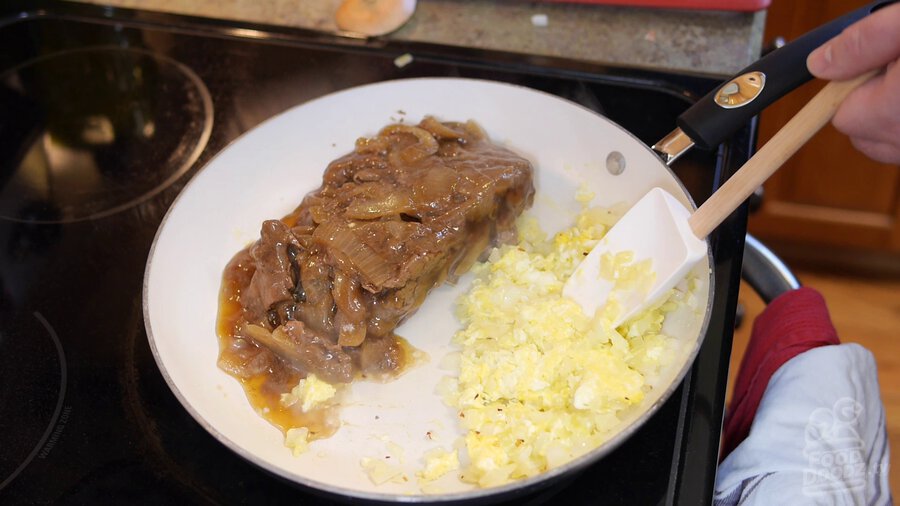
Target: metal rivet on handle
x,y
615,163
741,90
730,89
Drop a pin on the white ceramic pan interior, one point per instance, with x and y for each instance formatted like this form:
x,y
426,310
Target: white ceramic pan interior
x,y
265,174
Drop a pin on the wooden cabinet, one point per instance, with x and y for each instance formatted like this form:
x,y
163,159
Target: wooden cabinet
x,y
829,201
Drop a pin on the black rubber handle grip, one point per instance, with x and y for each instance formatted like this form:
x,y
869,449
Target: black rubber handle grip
x,y
709,124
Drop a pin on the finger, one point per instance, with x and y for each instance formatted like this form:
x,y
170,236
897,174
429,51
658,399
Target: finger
x,y
859,113
865,45
878,151
867,111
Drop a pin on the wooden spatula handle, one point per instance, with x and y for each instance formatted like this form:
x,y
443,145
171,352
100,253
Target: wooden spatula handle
x,y
814,115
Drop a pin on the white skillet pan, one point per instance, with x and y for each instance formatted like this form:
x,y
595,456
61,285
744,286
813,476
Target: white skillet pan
x,y
265,174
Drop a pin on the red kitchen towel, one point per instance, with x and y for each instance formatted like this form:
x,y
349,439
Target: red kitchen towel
x,y
794,322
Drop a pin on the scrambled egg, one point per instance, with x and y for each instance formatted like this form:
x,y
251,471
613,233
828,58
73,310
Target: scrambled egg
x,y
438,462
310,392
540,383
380,472
297,439
388,467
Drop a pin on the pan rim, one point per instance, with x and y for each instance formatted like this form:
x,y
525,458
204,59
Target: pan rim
x,y
506,491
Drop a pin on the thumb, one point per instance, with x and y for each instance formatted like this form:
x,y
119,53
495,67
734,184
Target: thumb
x,y
868,44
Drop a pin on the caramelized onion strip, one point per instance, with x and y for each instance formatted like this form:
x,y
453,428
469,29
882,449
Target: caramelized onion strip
x,y
439,129
427,145
350,319
391,204
346,248
475,131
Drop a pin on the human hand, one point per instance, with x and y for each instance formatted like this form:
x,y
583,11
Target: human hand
x,y
870,115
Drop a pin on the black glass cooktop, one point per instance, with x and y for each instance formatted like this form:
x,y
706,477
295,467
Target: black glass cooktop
x,y
107,113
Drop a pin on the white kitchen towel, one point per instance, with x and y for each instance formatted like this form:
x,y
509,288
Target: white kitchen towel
x,y
818,437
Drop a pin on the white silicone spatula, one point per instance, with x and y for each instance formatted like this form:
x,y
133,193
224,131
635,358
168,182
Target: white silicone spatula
x,y
661,229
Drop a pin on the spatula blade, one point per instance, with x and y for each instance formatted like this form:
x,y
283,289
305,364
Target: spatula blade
x,y
655,228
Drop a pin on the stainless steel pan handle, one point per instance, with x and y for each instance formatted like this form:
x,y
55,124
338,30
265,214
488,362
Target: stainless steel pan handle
x,y
765,272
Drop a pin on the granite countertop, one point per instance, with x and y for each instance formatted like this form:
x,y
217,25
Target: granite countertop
x,y
706,42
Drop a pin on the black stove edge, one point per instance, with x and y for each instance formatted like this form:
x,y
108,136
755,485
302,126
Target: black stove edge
x,y
688,85
697,452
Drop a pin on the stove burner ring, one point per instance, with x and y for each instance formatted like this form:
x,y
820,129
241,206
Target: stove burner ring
x,y
60,398
97,130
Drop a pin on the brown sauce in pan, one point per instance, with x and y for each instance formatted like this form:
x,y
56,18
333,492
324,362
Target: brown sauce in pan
x,y
264,384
